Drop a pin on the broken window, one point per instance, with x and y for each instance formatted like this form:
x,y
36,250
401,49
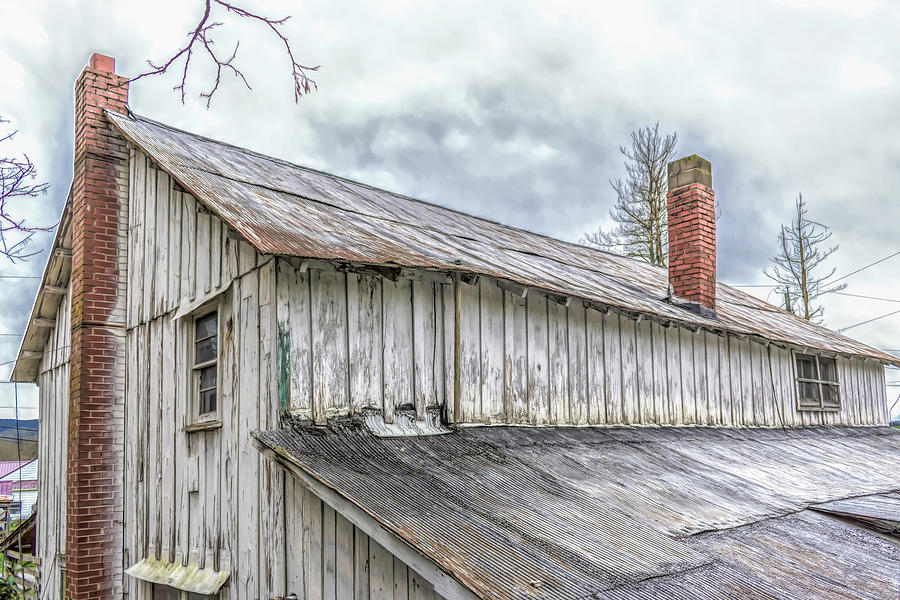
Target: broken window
x,y
818,387
206,363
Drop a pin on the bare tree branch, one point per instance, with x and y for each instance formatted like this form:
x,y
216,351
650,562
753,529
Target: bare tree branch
x,y
640,213
16,183
303,84
796,266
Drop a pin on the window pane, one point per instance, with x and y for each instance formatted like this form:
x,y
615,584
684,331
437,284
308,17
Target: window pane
x,y
208,401
831,396
806,366
809,394
827,369
206,326
208,377
206,350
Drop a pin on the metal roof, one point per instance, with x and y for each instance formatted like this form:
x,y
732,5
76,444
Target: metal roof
x,y
518,512
281,208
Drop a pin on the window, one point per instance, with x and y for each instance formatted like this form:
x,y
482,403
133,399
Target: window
x,y
206,364
817,383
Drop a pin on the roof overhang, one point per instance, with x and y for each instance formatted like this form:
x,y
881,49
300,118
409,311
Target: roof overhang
x,y
54,284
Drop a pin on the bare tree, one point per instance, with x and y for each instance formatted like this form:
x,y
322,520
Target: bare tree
x,y
798,265
17,183
199,40
640,214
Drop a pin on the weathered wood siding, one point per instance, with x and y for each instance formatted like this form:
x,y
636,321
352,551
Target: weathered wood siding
x,y
349,340
53,416
209,497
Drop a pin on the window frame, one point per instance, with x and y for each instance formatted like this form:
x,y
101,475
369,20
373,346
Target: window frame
x,y
197,418
819,382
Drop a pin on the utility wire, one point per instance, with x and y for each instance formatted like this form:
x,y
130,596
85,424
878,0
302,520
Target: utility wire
x,y
20,276
843,329
880,260
866,297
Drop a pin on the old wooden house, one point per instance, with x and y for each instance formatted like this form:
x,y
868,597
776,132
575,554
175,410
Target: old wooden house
x,y
258,380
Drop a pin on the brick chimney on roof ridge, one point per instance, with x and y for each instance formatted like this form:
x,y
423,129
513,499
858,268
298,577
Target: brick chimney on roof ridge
x,y
692,233
95,444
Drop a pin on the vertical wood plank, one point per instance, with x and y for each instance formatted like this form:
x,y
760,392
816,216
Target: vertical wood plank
x,y
576,327
426,345
294,534
660,374
674,375
344,557
188,247
360,565
558,373
631,401
596,369
161,281
365,328
381,572
644,354
612,355
312,545
688,380
701,389
401,581
329,554
149,195
247,510
538,359
329,344
397,351
516,358
491,350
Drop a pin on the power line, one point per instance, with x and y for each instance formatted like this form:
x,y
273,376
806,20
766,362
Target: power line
x,y
20,276
13,334
843,329
880,260
866,297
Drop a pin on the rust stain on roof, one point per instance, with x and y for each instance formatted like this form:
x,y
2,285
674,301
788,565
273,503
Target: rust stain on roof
x,y
281,208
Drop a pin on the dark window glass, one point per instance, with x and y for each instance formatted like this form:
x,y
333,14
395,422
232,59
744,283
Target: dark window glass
x,y
208,378
830,396
206,350
206,326
208,401
806,367
809,394
164,592
827,369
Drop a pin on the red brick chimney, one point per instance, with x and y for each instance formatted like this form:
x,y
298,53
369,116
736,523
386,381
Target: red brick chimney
x,y
95,463
692,232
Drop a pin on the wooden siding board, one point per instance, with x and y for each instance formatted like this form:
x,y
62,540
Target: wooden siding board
x,y
398,350
660,374
538,359
631,400
470,353
364,319
491,337
674,376
558,368
516,357
596,368
578,361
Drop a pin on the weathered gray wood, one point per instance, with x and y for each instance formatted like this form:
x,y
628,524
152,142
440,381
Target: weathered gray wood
x,y
426,345
492,356
515,340
644,357
365,332
329,554
596,369
558,367
470,353
398,351
538,359
344,557
381,572
631,401
329,344
689,397
576,326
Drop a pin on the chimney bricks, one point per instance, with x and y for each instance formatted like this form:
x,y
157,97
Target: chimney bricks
x,y
95,444
692,231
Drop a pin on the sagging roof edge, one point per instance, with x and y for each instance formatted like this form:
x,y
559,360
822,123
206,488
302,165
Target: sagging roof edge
x,y
874,354
22,356
444,583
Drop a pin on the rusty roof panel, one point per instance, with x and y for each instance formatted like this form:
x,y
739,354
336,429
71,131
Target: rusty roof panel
x,y
567,512
283,208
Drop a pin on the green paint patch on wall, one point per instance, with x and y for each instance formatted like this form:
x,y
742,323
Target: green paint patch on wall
x,y
284,367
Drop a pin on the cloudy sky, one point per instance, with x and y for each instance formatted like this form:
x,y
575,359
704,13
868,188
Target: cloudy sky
x,y
514,111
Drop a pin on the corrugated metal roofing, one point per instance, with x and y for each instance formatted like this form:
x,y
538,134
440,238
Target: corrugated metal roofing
x,y
885,507
517,513
282,208
804,555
